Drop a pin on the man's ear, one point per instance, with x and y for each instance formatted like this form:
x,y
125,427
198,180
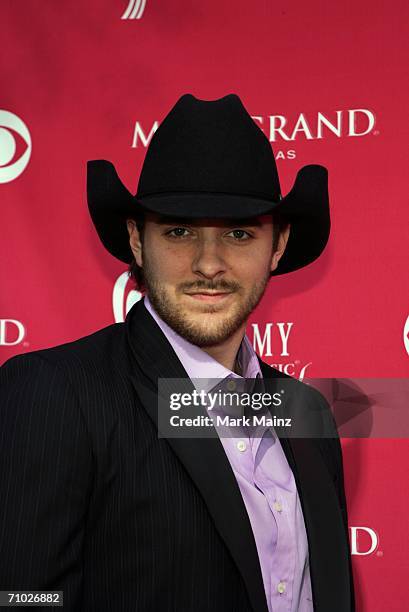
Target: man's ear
x,y
135,240
282,243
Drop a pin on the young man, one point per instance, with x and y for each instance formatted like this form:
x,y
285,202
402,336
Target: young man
x,y
94,502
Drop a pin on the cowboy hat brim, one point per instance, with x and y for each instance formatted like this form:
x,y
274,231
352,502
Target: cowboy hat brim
x,y
305,207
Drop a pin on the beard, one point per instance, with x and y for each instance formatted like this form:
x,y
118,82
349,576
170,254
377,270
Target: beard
x,y
209,325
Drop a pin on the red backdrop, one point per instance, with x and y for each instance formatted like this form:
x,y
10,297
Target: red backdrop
x,y
325,81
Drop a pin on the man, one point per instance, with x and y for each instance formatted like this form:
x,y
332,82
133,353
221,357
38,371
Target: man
x,y
95,503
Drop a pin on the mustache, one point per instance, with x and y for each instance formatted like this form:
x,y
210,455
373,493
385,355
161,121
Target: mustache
x,y
221,285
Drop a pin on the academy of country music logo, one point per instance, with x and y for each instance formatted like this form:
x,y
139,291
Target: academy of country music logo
x,y
351,123
271,340
12,131
12,332
406,335
134,10
364,541
122,298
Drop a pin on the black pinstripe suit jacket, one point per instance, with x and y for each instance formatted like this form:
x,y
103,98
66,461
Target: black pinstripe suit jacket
x,y
94,503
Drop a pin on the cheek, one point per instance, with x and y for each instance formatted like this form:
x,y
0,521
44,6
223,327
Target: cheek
x,y
177,267
166,262
253,265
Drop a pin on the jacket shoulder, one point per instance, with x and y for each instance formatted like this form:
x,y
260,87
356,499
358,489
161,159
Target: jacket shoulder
x,y
96,346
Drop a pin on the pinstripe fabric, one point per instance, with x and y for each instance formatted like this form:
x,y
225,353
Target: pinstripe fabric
x,y
93,503
46,478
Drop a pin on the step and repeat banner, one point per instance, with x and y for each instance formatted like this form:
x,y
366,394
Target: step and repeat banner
x,y
326,82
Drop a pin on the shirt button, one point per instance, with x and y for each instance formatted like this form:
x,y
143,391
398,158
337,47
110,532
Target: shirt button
x,y
231,385
241,445
281,587
277,506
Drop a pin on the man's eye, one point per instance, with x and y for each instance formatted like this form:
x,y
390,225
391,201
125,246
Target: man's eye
x,y
240,234
177,232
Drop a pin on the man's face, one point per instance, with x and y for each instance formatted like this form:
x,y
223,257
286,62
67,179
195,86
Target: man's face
x,y
205,276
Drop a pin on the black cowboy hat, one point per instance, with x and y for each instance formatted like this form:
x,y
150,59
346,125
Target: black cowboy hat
x,y
210,159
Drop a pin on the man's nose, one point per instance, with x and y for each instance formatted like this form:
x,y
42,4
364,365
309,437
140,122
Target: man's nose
x,y
209,258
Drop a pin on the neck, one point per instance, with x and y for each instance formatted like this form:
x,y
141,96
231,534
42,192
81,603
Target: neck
x,y
226,352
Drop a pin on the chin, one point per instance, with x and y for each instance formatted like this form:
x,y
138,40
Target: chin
x,y
207,315
206,321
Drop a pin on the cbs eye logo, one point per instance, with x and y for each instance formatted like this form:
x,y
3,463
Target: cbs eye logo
x,y
15,146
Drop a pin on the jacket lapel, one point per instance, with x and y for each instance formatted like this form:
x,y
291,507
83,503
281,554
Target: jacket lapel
x,y
328,547
203,458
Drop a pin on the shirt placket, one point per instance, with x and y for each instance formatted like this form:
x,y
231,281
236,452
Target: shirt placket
x,y
281,502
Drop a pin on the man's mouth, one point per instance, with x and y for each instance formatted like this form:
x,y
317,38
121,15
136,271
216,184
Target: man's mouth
x,y
209,296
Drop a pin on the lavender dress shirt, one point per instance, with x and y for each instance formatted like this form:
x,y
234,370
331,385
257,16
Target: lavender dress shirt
x,y
266,482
